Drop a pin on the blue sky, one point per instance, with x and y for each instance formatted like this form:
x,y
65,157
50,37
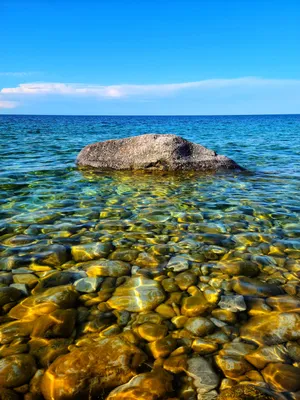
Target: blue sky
x,y
118,57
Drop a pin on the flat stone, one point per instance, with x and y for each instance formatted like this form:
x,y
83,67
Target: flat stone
x,y
15,329
88,370
88,285
245,392
199,326
137,294
204,377
185,279
203,346
9,295
152,152
147,386
59,323
282,377
253,287
239,267
21,287
233,303
284,303
106,268
152,332
45,302
46,351
194,306
178,264
91,251
162,348
268,354
272,328
16,370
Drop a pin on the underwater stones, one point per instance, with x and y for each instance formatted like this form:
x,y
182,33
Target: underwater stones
x,y
282,377
88,285
59,323
253,287
106,268
147,386
203,346
204,377
26,279
178,264
16,370
233,303
91,251
45,302
87,371
54,255
245,392
284,303
147,260
199,326
272,328
8,295
194,306
232,367
137,294
239,267
268,354
47,350
152,152
152,332
11,330
185,279
161,348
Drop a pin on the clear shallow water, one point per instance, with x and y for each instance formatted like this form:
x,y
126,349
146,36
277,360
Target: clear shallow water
x,y
210,221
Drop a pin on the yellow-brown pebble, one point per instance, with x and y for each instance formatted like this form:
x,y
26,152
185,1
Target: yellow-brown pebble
x,y
152,332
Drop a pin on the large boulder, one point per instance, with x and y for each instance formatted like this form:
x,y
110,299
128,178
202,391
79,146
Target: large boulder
x,y
152,152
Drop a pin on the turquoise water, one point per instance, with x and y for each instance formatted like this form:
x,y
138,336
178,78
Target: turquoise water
x,y
45,200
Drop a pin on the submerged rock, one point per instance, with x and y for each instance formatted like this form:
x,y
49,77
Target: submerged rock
x,y
152,152
16,370
89,370
245,392
137,294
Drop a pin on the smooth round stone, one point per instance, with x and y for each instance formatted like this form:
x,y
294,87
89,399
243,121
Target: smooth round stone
x,y
232,367
16,370
224,315
47,350
199,326
239,267
137,294
233,303
166,311
21,287
106,268
6,278
53,256
253,287
204,377
178,264
11,330
176,364
294,351
91,251
147,386
284,303
169,285
88,285
204,347
88,370
268,354
272,328
8,295
212,295
45,302
282,377
179,321
245,392
152,332
194,306
162,348
52,279
127,255
60,323
150,316
185,279
147,260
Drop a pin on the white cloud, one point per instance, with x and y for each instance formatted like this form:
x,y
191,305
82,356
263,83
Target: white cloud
x,y
8,104
131,90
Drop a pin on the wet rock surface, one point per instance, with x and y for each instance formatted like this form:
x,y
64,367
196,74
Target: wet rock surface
x,y
148,297
152,152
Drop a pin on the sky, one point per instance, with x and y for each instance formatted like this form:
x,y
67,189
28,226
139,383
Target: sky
x,y
149,57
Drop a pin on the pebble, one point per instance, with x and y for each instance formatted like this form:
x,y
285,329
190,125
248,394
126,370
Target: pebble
x,y
233,303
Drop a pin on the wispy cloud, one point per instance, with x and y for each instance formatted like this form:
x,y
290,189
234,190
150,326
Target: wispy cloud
x,y
144,91
17,73
8,104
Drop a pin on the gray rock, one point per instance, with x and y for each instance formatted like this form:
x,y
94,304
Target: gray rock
x,y
152,152
232,303
178,264
204,377
22,287
88,285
